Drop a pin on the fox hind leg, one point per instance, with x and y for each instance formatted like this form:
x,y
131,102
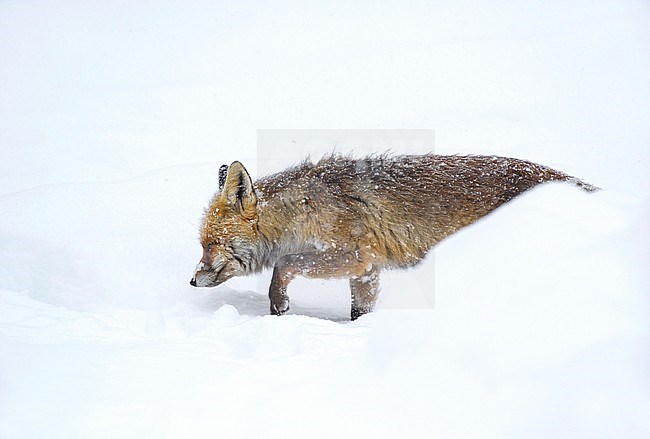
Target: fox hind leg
x,y
365,290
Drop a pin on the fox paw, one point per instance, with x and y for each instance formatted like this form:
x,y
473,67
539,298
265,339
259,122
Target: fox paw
x,y
358,312
280,307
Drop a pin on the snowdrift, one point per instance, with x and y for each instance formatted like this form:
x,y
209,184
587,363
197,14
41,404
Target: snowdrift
x,y
539,325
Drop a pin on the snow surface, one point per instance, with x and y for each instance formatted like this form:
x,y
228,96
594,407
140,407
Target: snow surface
x,y
116,118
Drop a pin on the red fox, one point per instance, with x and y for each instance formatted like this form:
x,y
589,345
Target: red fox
x,y
351,218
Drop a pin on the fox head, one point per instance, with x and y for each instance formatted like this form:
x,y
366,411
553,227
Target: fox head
x,y
229,234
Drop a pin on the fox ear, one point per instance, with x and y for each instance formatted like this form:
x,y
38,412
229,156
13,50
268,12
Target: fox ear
x,y
238,190
223,170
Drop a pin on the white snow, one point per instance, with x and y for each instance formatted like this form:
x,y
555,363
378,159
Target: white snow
x,y
115,120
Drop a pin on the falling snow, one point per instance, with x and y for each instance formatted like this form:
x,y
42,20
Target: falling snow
x,y
539,323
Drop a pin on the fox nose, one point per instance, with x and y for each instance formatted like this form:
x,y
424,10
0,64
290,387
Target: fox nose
x,y
193,282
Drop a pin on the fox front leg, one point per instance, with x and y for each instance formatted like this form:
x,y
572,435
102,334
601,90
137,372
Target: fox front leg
x,y
317,265
283,273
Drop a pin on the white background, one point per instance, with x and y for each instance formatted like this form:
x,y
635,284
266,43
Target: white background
x,y
114,119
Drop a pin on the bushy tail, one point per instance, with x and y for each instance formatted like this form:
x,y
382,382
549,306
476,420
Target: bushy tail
x,y
582,184
544,173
